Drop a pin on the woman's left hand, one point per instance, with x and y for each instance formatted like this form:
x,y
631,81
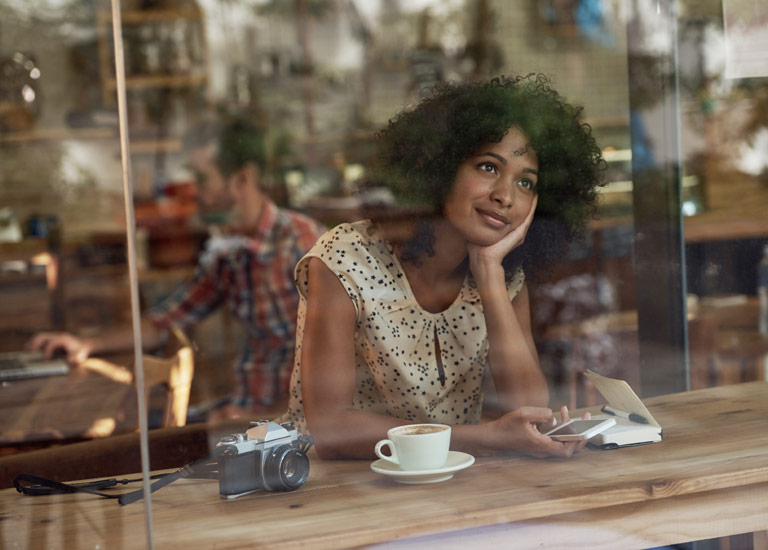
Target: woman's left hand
x,y
495,253
519,431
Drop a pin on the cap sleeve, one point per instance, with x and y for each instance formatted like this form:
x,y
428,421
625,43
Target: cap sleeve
x,y
515,283
339,250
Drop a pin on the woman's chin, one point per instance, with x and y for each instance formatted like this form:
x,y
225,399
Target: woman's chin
x,y
481,243
488,238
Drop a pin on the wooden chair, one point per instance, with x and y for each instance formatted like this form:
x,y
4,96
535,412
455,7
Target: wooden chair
x,y
741,349
167,379
704,361
29,302
173,376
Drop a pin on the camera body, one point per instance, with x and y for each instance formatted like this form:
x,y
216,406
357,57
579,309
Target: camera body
x,y
266,457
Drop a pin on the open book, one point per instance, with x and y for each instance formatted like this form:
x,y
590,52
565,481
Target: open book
x,y
634,423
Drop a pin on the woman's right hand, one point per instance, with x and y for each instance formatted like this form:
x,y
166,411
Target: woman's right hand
x,y
518,431
481,257
76,349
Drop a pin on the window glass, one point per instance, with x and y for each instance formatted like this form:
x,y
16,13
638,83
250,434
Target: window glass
x,y
63,260
251,128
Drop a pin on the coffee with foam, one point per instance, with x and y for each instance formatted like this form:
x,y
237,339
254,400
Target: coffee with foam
x,y
416,446
420,429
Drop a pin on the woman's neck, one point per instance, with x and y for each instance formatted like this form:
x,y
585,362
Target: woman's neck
x,y
436,280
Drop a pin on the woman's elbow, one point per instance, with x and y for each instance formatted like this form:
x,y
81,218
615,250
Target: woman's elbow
x,y
329,444
333,447
327,451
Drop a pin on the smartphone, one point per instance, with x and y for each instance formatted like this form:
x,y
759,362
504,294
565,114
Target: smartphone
x,y
578,429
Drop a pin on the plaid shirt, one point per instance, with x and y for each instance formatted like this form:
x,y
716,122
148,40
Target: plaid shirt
x,y
254,275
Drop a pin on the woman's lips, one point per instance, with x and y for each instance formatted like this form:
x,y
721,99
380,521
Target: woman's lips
x,y
494,219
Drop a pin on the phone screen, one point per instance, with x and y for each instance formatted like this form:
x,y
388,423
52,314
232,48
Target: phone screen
x,y
575,427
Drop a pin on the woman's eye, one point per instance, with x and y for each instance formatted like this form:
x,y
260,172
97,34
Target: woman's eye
x,y
488,167
527,184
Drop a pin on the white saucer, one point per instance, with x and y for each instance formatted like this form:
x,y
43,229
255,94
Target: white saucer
x,y
456,461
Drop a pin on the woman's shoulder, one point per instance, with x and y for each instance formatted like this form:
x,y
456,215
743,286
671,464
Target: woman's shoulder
x,y
349,237
349,246
357,256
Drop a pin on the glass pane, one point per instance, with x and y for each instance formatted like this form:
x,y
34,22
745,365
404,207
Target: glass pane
x,y
68,405
723,87
254,127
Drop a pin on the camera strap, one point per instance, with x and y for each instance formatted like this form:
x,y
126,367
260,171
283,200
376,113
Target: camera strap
x,y
32,485
201,469
305,442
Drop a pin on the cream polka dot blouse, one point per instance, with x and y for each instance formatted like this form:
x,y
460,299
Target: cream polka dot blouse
x,y
397,371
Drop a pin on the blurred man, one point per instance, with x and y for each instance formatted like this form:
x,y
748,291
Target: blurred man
x,y
248,266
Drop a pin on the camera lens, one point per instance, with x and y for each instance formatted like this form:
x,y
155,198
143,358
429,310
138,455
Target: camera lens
x,y
286,469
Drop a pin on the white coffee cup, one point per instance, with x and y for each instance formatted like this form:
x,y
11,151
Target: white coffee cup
x,y
417,446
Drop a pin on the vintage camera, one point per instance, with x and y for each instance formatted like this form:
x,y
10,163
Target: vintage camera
x,y
267,457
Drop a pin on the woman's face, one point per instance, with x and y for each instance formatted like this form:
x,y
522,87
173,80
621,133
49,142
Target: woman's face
x,y
493,190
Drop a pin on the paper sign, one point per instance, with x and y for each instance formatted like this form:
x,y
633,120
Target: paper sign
x,y
746,38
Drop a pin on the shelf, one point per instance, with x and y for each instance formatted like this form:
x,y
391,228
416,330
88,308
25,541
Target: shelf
x,y
8,278
140,146
152,146
720,226
61,134
138,17
707,227
165,75
159,81
23,250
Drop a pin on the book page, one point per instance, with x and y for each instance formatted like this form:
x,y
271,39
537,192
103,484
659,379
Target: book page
x,y
620,395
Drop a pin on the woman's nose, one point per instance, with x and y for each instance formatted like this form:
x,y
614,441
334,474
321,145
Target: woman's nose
x,y
503,194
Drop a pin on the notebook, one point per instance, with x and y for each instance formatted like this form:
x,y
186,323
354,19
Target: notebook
x,y
634,423
23,364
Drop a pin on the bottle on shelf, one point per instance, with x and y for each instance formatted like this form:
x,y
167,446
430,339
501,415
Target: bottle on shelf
x,y
762,290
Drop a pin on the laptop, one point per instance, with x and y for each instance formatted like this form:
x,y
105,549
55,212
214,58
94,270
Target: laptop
x,y
18,365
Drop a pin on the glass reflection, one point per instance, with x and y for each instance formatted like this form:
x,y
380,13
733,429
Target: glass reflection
x,y
662,292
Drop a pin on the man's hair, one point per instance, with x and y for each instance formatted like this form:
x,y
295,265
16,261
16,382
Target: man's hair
x,y
236,142
420,150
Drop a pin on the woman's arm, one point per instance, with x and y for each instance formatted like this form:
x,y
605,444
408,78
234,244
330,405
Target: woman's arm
x,y
328,385
512,353
328,372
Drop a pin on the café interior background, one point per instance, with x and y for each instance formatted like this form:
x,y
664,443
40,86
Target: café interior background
x,y
324,75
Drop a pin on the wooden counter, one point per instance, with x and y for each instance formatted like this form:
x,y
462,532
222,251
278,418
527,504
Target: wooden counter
x,y
721,226
708,226
708,478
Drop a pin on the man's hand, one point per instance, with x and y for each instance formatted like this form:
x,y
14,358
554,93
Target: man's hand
x,y
77,350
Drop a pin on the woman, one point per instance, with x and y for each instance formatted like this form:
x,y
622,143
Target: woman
x,y
395,330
